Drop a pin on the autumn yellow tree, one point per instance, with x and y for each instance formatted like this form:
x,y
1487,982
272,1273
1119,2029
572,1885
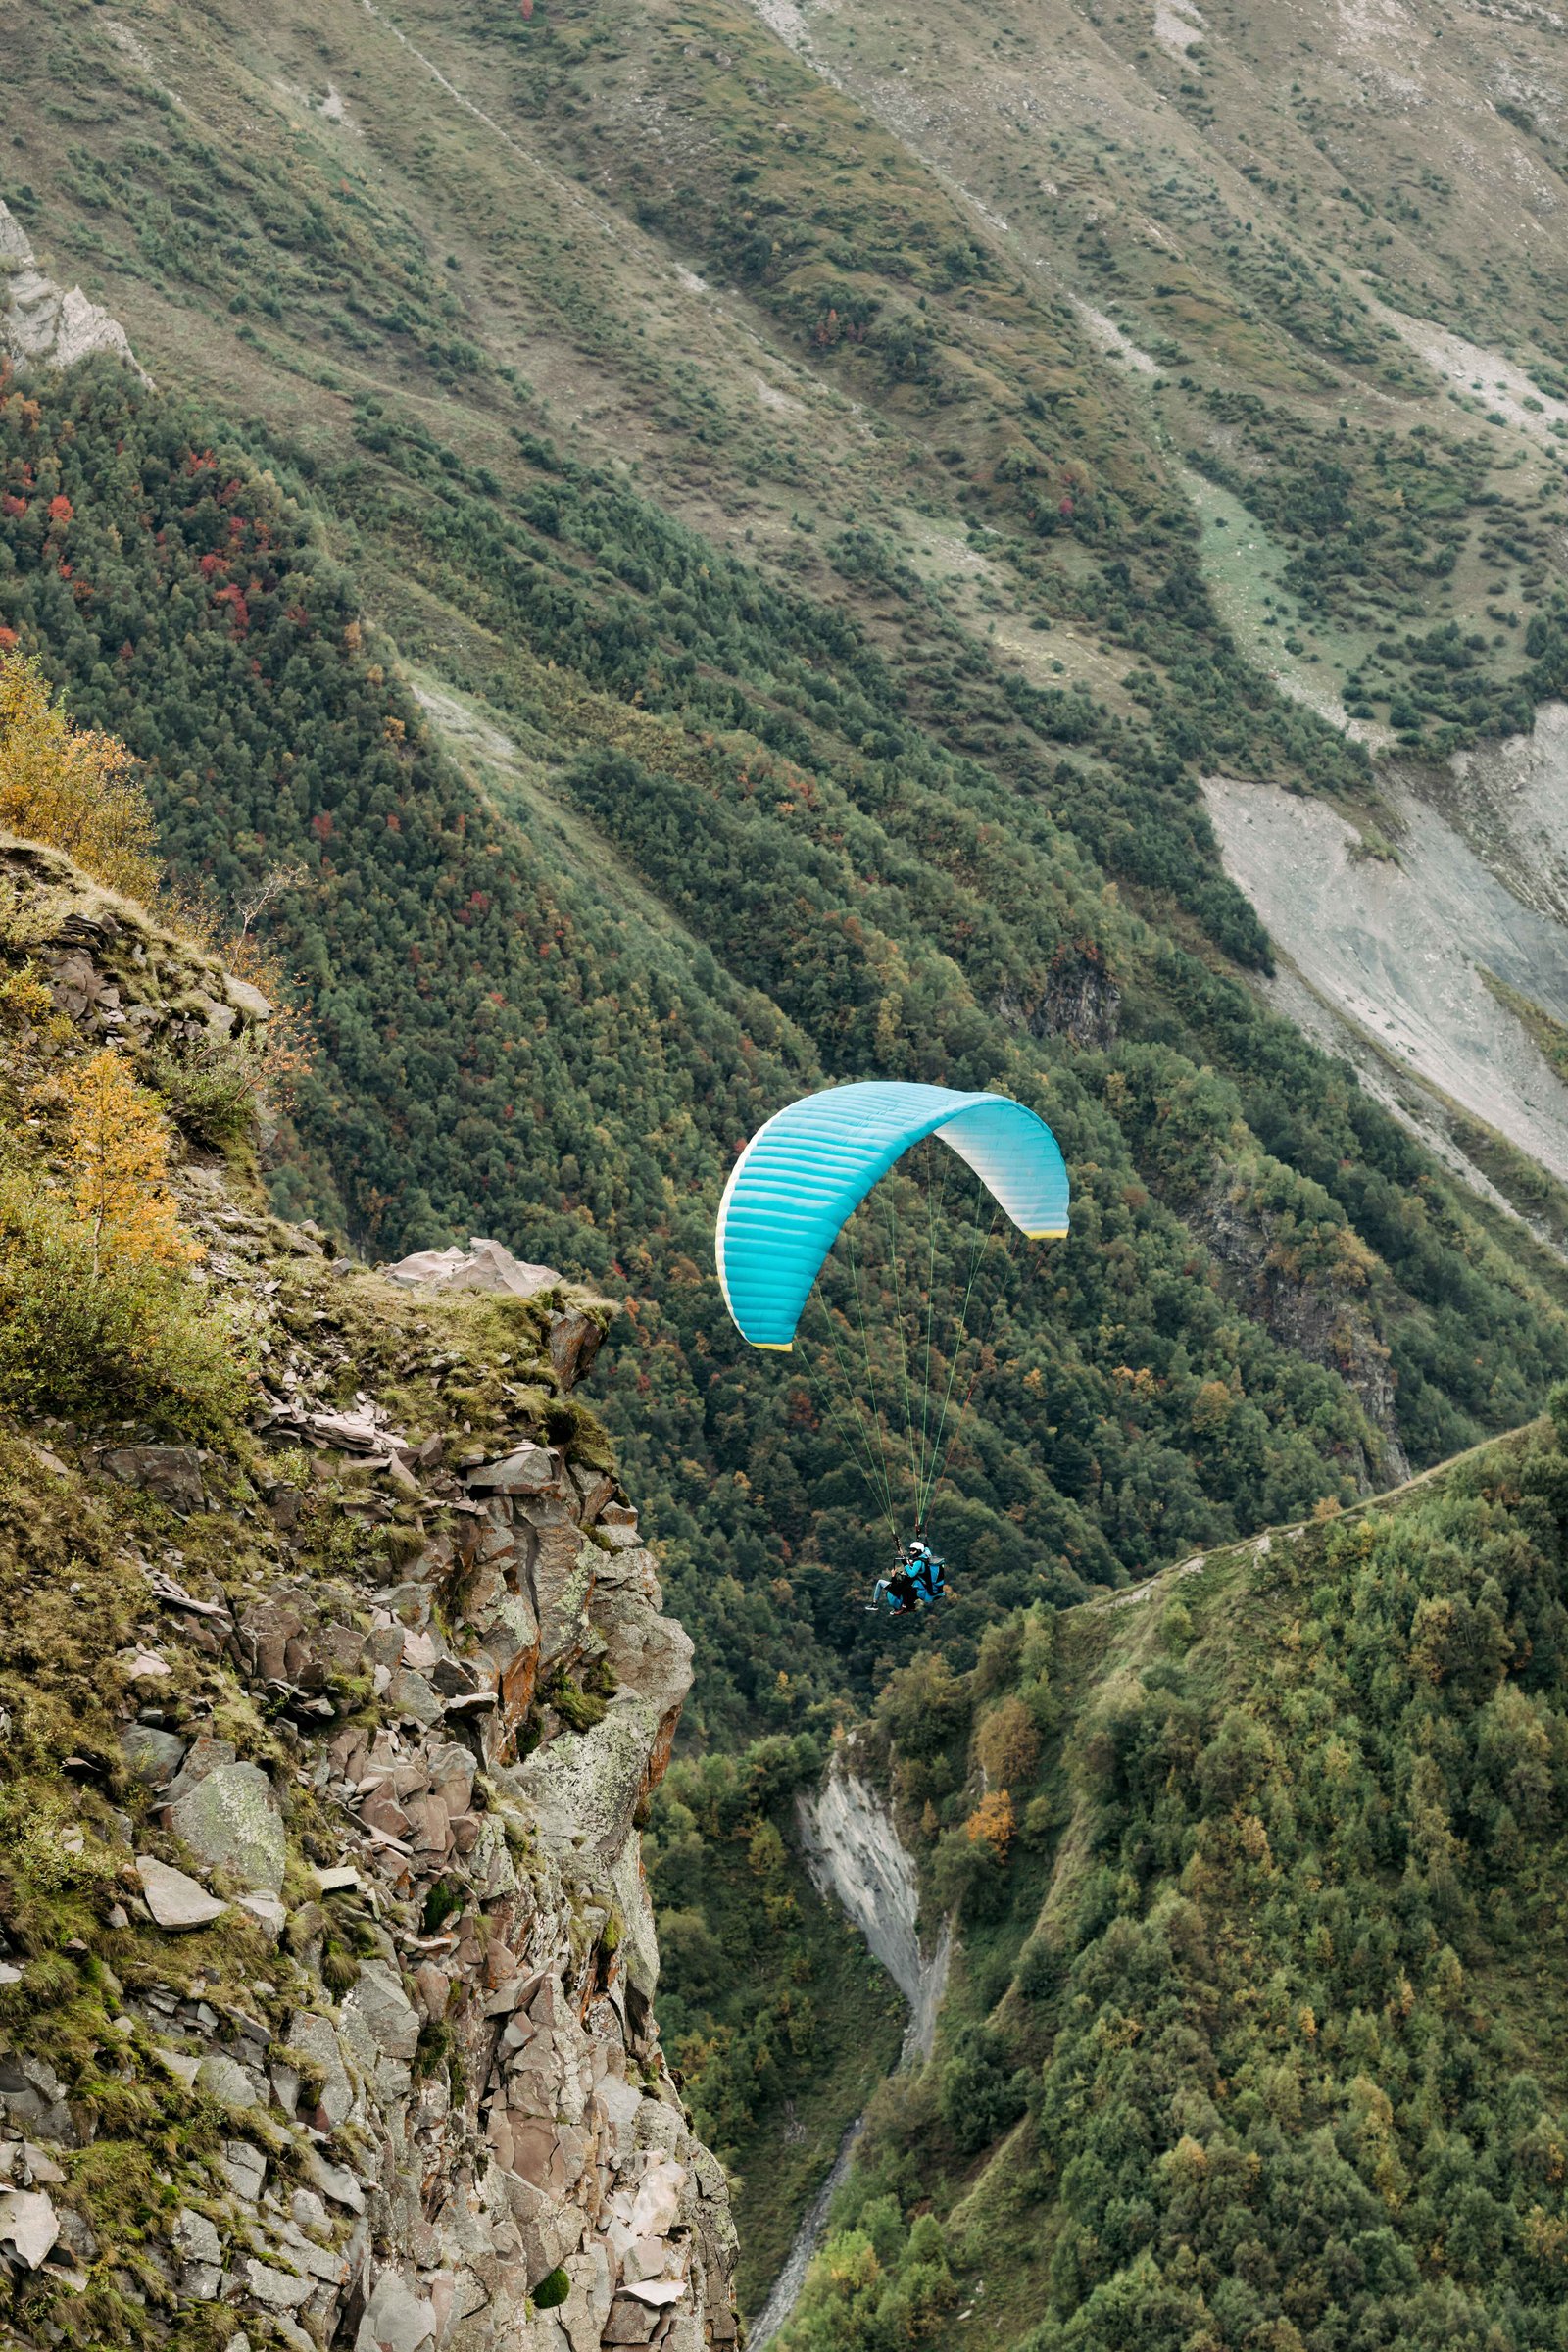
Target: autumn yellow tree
x,y
119,1155
992,1823
1008,1744
70,786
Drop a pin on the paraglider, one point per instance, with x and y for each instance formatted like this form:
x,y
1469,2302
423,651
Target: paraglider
x,y
896,1593
918,1580
794,1191
929,1572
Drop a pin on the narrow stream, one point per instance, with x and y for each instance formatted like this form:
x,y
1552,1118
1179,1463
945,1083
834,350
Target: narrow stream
x,y
855,1857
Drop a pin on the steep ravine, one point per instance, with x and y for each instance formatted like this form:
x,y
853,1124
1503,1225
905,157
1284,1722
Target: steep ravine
x,y
856,1859
326,1960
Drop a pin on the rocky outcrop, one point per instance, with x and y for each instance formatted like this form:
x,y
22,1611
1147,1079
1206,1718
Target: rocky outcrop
x,y
41,325
380,1692
494,2151
119,976
1329,1323
1080,1000
857,1859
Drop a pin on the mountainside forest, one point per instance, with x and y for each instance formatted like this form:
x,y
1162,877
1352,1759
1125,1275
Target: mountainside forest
x,y
665,558
1258,2039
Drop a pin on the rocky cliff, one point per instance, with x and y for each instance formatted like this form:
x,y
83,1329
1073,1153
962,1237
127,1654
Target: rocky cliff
x,y
41,324
327,1963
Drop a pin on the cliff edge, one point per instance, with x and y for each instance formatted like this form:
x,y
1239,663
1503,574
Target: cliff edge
x,y
326,1962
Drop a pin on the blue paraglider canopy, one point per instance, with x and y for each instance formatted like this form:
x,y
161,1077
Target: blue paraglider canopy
x,y
804,1174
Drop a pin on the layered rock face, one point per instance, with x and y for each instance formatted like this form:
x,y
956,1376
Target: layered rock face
x,y
365,1711
570,2154
43,325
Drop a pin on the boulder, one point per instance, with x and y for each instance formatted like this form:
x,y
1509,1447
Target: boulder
x,y
483,1267
195,2236
224,2079
246,2168
267,1631
434,1989
336,2181
656,2291
196,2241
231,1821
75,983
530,1470
451,1774
204,1755
630,2322
250,1001
140,1665
409,1698
395,2319
350,1433
268,1913
656,2205
171,1473
29,2224
388,2016
176,1902
595,1488
273,2289
314,2039
154,1756
575,1341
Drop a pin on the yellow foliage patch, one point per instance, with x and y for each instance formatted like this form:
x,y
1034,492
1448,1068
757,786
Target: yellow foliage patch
x,y
120,1153
992,1823
70,786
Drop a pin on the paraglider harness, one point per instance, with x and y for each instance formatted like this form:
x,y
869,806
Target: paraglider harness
x,y
918,1582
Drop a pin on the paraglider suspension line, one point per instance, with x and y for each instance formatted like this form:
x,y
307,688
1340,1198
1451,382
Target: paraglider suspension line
x,y
877,1422
898,1324
978,1245
934,1217
853,1433
974,1377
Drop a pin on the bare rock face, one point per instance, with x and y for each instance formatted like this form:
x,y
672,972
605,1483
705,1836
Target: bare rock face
x,y
1079,1001
559,2201
1329,1322
41,325
464,2138
177,1901
566,2166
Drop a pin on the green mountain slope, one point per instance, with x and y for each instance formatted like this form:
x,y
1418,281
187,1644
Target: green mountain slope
x,y
569,1047
859,276
1258,2039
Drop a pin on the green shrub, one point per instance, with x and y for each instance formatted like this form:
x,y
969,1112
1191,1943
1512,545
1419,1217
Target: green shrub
x,y
440,1903
134,1341
580,1709
979,2092
969,1877
552,2290
210,1092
